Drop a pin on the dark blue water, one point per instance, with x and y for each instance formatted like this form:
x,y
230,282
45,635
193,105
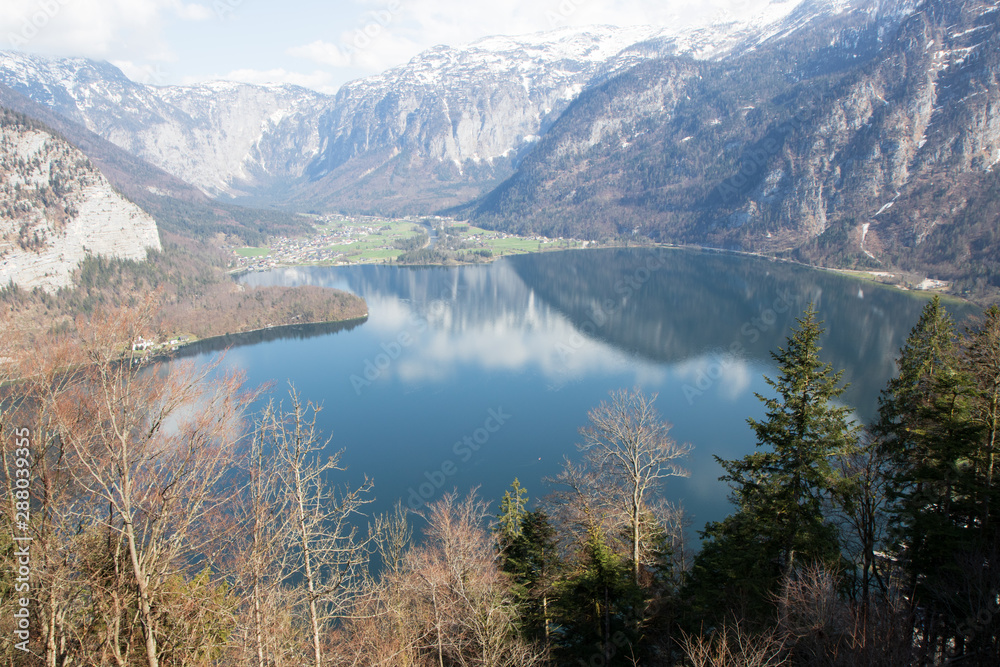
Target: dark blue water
x,y
471,376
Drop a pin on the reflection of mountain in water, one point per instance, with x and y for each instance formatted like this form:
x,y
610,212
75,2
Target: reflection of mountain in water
x,y
457,299
696,303
688,306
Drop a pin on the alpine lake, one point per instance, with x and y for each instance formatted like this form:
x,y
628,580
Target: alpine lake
x,y
471,376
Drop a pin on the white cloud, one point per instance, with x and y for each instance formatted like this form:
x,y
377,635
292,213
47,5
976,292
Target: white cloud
x,y
148,73
370,48
119,29
193,12
323,53
386,34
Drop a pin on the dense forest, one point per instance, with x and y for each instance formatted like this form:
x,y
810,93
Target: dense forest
x,y
165,516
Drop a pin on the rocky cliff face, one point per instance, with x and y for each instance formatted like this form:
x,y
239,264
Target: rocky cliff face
x,y
56,208
227,138
453,121
841,142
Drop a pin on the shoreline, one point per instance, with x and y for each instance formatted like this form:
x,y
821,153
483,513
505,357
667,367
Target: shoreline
x,y
869,276
277,329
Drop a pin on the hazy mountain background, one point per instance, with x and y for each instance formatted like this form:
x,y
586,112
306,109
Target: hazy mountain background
x,y
858,133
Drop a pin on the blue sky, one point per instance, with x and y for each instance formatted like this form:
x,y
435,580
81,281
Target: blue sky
x,y
315,43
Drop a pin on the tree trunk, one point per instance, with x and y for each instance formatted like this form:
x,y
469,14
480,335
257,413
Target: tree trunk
x,y
145,610
257,623
635,535
310,577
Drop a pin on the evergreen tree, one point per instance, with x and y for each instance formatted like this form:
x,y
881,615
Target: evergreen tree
x,y
983,365
925,426
513,506
780,490
786,482
598,607
526,540
934,423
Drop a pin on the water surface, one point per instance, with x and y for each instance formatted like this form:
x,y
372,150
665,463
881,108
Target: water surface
x,y
471,376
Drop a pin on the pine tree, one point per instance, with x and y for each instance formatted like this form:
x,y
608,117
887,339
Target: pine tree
x,y
781,489
925,426
983,365
513,506
598,608
786,482
928,427
533,564
528,555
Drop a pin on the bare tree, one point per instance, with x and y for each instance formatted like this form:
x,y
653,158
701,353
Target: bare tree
x,y
324,549
861,496
447,603
455,578
392,534
258,540
733,645
151,450
630,451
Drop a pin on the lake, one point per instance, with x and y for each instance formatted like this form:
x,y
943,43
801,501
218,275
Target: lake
x,y
471,376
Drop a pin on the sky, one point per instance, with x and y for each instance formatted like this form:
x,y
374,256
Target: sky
x,y
318,44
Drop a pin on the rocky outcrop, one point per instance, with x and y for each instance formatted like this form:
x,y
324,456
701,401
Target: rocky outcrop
x,y
56,209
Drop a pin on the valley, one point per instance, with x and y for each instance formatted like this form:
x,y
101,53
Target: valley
x,y
364,240
518,334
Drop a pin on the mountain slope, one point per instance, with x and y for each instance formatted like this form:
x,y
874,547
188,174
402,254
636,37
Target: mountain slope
x,y
799,145
178,206
57,209
437,131
227,138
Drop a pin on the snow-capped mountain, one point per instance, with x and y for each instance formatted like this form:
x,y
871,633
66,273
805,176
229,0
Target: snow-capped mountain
x,y
223,137
435,131
841,143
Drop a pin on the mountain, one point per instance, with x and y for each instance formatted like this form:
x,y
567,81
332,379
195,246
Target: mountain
x,y
453,122
177,206
56,209
842,141
227,138
859,133
435,132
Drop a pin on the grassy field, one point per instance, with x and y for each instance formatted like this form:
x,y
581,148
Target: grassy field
x,y
253,252
376,241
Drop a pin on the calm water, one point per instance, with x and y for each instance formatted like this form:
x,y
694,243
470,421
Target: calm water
x,y
472,376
